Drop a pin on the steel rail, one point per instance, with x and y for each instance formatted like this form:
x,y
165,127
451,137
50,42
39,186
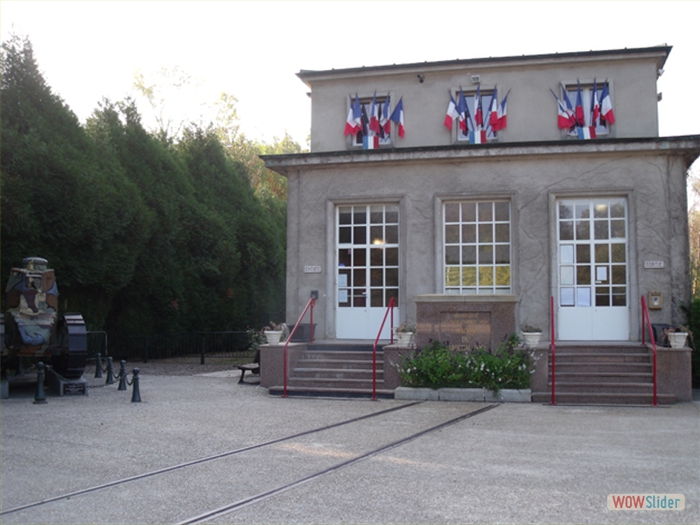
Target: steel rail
x,y
201,460
232,507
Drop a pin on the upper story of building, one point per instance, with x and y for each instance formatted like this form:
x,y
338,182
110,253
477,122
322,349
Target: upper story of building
x,y
618,84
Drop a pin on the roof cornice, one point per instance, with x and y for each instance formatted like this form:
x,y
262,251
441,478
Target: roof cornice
x,y
686,146
660,53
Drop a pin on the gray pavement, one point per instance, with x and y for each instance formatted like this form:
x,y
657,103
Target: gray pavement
x,y
514,463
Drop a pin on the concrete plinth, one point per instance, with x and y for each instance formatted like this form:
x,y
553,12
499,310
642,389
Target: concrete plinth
x,y
67,387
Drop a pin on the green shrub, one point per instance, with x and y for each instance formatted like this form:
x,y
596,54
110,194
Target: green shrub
x,y
694,325
437,366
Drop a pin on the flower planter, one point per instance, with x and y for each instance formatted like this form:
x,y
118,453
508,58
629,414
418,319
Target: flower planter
x,y
273,336
404,338
677,339
531,339
506,395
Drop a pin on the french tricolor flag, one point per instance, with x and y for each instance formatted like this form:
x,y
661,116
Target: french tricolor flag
x,y
493,110
452,113
606,109
502,121
374,117
352,124
579,107
463,112
478,112
595,106
397,117
385,121
585,132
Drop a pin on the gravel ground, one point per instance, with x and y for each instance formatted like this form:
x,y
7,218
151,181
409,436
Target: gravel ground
x,y
181,366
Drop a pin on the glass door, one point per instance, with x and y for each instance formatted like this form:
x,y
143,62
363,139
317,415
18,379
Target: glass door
x,y
367,269
592,269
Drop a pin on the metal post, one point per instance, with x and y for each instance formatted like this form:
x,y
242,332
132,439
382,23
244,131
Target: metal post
x,y
136,394
98,366
122,376
40,395
201,351
110,372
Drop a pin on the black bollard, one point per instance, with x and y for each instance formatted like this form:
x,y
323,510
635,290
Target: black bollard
x,y
110,372
122,376
98,367
136,394
40,396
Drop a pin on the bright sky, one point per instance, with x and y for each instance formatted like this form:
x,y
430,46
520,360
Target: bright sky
x,y
88,50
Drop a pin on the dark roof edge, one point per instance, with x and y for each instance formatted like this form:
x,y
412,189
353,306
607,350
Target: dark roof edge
x,y
480,147
308,74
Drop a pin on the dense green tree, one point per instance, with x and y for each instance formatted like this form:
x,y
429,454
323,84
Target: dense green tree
x,y
62,199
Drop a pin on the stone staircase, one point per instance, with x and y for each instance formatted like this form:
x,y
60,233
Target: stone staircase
x,y
336,370
602,374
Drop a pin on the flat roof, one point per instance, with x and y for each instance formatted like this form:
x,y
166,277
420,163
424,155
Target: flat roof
x,y
661,53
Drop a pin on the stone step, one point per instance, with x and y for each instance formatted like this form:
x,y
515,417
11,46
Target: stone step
x,y
335,373
331,392
607,368
338,364
338,383
602,398
633,348
601,357
344,355
604,387
604,377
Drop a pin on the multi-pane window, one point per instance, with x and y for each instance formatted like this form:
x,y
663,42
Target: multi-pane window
x,y
477,247
592,252
368,255
366,105
469,97
587,104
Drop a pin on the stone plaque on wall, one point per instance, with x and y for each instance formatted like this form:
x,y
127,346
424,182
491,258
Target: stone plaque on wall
x,y
463,320
465,330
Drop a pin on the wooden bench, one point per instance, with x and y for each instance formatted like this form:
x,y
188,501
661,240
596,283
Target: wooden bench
x,y
253,368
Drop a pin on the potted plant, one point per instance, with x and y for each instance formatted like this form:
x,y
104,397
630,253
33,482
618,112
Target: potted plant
x,y
273,333
677,336
531,335
404,334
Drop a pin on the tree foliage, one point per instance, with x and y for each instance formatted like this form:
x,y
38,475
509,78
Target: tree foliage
x,y
146,233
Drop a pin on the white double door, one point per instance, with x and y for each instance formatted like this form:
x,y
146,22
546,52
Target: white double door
x,y
367,274
592,270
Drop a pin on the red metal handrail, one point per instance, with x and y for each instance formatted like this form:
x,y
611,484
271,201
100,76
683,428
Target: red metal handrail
x,y
310,304
647,321
389,308
554,350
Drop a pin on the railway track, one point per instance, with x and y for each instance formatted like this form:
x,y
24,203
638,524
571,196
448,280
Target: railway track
x,y
221,484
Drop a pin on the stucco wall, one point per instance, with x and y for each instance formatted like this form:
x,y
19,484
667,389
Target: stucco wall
x,y
532,110
653,185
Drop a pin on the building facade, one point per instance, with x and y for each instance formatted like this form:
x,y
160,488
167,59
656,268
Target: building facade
x,y
478,229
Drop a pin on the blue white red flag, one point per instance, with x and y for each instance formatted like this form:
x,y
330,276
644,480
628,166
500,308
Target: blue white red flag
x,y
502,121
451,114
493,110
569,111
397,117
595,106
351,124
585,132
478,111
374,115
606,110
580,120
462,112
385,121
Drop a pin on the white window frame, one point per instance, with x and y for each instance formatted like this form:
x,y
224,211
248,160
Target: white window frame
x,y
602,130
457,136
465,234
353,142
